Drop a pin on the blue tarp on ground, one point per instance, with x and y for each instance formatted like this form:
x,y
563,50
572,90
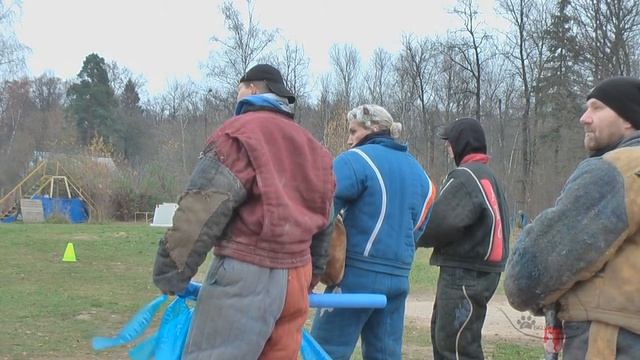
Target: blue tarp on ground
x,y
8,219
72,209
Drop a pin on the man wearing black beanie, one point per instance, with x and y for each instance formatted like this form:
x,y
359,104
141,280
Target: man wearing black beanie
x,y
582,254
613,112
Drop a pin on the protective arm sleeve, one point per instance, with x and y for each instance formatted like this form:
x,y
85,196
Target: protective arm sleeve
x,y
204,210
571,241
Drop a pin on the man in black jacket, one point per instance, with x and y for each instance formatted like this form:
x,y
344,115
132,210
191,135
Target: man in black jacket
x,y
469,232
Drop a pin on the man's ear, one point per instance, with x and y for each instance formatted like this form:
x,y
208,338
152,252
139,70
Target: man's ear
x,y
628,128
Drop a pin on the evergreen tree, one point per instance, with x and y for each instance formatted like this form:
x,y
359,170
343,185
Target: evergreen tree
x,y
561,80
561,92
131,140
92,102
130,99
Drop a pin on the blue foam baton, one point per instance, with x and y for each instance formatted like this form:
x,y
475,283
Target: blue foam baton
x,y
347,301
309,348
328,300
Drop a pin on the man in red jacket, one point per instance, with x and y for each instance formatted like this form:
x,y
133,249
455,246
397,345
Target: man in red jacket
x,y
260,195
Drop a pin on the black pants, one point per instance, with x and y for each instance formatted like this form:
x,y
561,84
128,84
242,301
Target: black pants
x,y
459,311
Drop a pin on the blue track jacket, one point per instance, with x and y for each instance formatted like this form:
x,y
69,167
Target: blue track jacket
x,y
386,197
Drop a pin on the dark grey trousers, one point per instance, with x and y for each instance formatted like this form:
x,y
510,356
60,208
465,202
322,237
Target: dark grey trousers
x,y
236,311
459,312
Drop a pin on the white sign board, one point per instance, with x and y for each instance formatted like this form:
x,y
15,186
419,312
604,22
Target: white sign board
x,y
163,216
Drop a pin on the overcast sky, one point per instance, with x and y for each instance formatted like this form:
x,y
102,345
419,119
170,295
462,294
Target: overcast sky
x,y
165,39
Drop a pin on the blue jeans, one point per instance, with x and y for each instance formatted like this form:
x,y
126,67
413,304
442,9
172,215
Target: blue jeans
x,y
337,330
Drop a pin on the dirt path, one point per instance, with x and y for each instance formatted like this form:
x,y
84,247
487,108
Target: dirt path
x,y
502,321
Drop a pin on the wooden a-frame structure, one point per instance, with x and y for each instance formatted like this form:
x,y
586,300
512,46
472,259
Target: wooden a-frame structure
x,y
47,178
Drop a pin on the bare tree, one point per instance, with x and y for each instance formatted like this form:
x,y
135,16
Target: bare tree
x,y
12,51
502,103
401,93
471,47
332,113
517,12
608,32
452,97
13,111
294,66
455,96
245,43
155,110
419,58
178,103
119,75
345,60
48,92
325,98
378,80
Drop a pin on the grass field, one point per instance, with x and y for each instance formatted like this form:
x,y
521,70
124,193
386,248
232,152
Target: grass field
x,y
50,309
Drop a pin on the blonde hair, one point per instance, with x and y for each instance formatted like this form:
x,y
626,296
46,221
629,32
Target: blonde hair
x,y
369,115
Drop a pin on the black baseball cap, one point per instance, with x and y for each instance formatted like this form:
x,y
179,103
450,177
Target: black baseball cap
x,y
441,132
273,78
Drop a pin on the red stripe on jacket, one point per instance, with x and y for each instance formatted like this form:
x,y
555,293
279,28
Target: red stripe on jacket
x,y
495,254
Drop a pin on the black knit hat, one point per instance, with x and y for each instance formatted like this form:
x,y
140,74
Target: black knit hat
x,y
273,78
622,95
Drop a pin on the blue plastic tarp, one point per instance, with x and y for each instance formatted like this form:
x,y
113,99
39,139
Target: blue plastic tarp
x,y
8,219
72,209
167,343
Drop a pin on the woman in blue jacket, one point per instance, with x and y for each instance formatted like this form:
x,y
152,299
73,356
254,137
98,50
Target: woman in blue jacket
x,y
385,197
